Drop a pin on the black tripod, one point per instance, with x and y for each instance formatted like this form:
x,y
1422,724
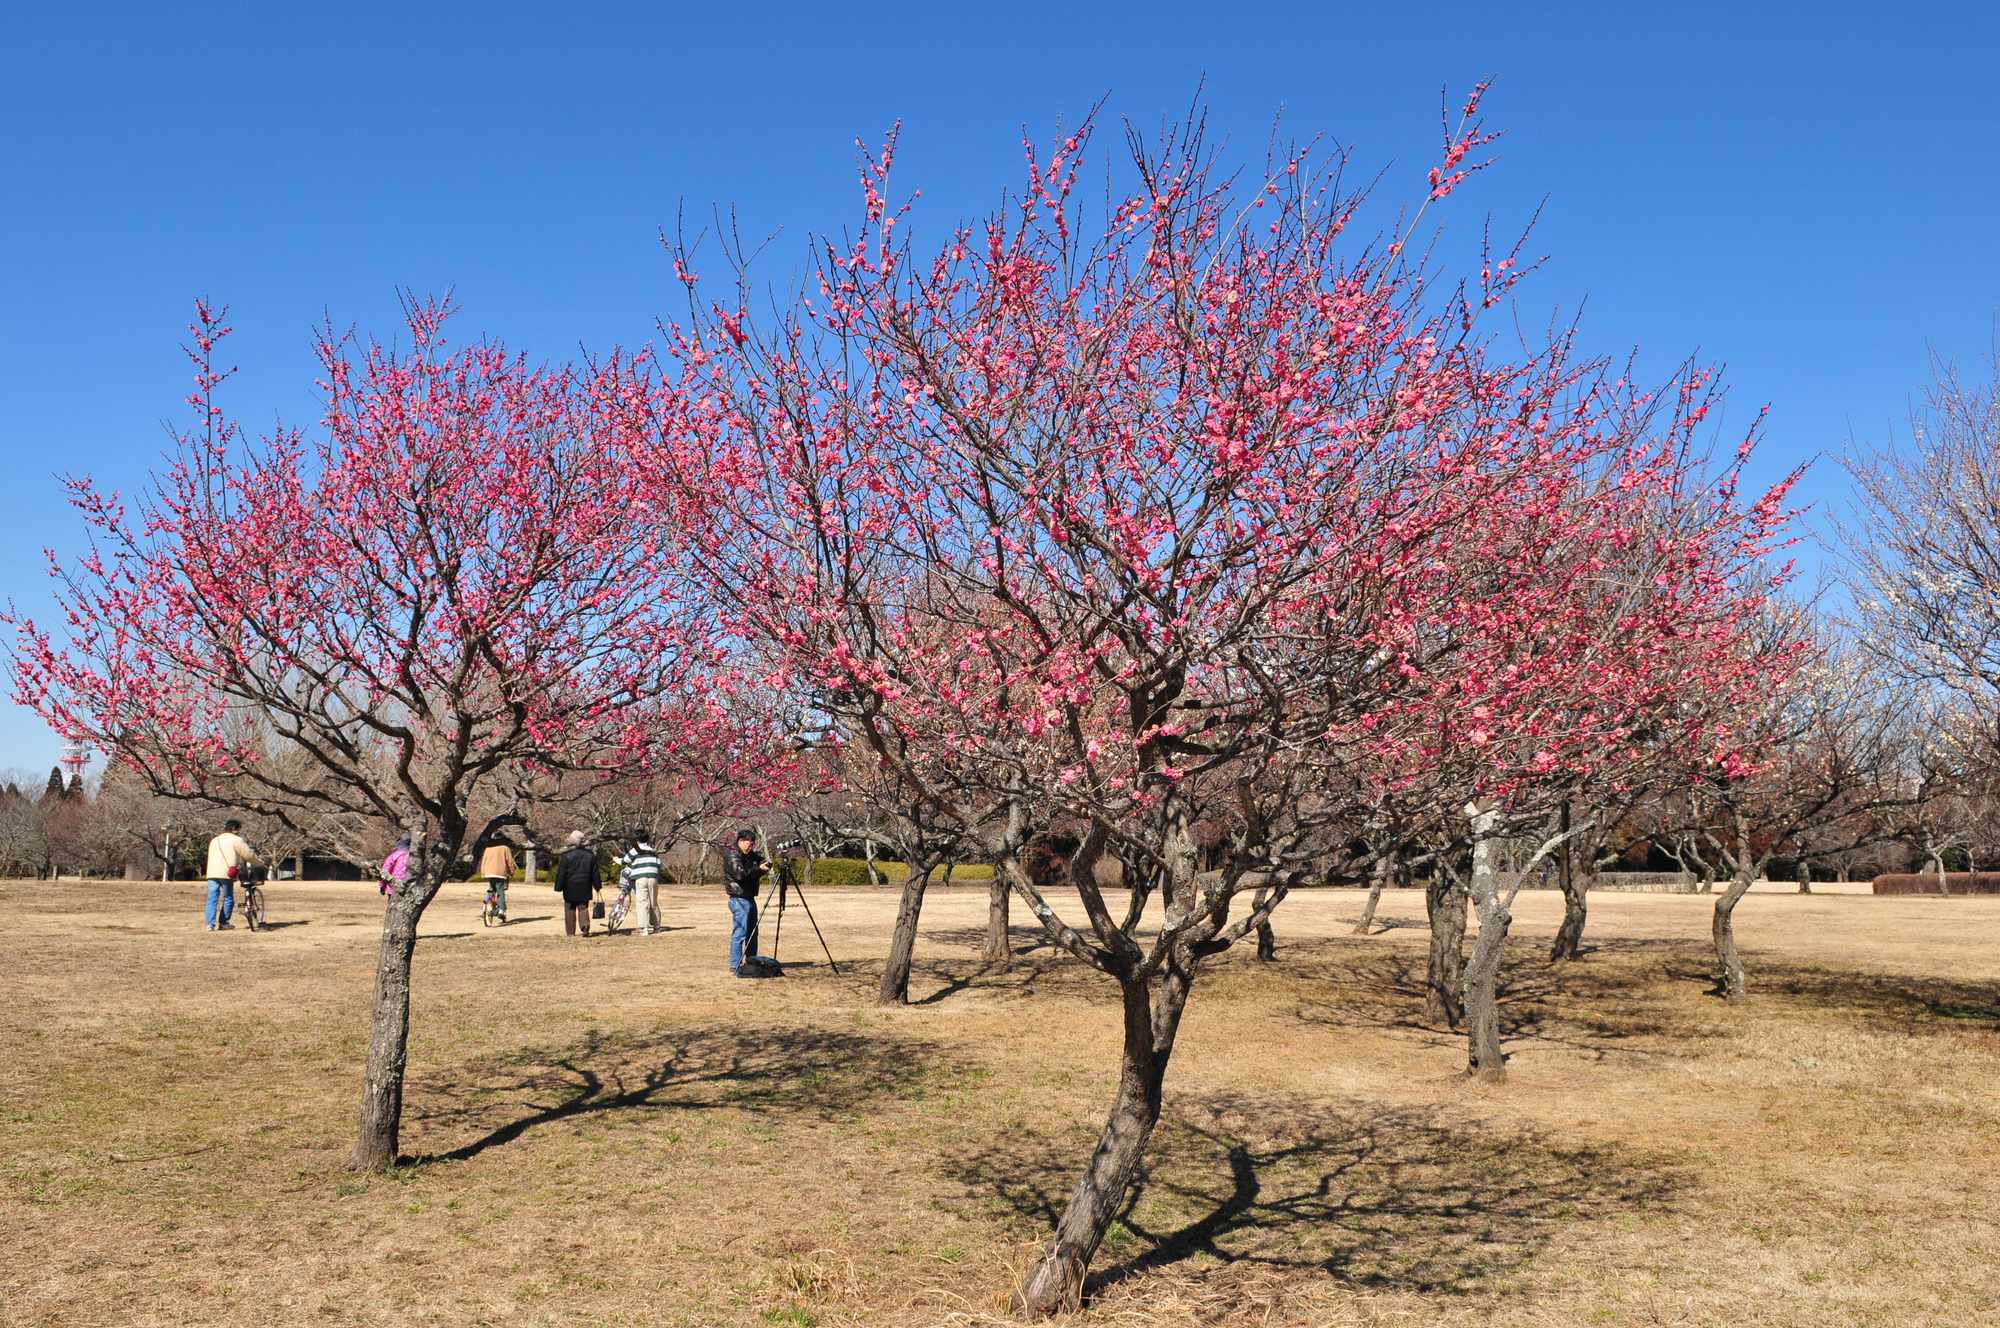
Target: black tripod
x,y
782,885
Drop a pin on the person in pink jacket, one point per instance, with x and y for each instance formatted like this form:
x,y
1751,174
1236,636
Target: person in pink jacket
x,y
396,867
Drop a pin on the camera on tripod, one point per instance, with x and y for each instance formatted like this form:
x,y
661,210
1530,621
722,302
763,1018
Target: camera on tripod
x,y
784,884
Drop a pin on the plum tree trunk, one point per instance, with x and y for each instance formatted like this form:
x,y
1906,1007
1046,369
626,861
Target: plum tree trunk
x,y
1267,943
903,942
1731,981
1483,1056
381,1120
1482,973
375,1148
1445,902
1054,1283
1575,892
1569,936
1375,884
999,949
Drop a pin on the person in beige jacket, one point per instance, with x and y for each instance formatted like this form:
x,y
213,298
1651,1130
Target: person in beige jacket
x,y
496,864
226,852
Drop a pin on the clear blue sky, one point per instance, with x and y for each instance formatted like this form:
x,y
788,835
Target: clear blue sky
x,y
1808,194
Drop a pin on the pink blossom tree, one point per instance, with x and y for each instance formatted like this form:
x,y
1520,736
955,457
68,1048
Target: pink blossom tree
x,y
1818,756
1608,645
444,598
1194,513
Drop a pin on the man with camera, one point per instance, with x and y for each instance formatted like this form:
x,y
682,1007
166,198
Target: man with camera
x,y
742,875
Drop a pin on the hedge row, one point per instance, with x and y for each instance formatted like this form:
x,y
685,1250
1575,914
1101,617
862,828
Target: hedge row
x,y
838,871
1926,883
854,871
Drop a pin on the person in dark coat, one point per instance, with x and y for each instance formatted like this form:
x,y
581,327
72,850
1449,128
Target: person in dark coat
x,y
742,873
576,880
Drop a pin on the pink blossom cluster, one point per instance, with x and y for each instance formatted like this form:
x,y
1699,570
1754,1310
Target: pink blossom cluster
x,y
453,577
1193,519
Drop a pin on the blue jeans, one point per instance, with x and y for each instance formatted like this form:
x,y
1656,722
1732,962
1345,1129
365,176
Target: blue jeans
x,y
222,899
742,931
498,885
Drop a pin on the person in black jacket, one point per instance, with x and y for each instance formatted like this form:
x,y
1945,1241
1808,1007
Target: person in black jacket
x,y
742,873
576,880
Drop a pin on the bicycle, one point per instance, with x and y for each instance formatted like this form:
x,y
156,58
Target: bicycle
x,y
614,917
252,880
490,913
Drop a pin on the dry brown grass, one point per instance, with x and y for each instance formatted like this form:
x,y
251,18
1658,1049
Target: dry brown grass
x,y
615,1132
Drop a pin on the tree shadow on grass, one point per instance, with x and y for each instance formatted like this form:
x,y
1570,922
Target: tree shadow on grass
x,y
1402,1199
789,1071
1037,968
1898,1002
1023,940
1609,1005
1396,922
1620,1001
1903,1001
1046,972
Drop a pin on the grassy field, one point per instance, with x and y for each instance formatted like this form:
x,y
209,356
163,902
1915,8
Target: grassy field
x,y
615,1132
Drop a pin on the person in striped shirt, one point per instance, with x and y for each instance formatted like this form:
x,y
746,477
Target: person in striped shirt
x,y
640,865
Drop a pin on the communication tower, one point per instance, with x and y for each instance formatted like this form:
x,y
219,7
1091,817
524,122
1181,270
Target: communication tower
x,y
74,758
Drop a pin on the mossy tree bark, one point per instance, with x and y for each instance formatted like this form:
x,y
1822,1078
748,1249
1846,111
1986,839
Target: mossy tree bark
x,y
1731,982
1445,901
1482,972
1378,879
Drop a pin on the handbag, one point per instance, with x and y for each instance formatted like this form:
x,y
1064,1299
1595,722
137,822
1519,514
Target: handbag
x,y
597,908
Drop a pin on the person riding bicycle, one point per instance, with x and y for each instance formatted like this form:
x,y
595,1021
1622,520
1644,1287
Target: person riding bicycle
x,y
496,864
